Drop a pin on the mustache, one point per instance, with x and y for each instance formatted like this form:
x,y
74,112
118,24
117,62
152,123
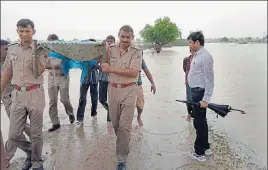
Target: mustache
x,y
124,42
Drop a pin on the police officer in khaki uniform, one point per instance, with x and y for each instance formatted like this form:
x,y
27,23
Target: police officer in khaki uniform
x,y
57,81
6,99
124,60
28,97
10,148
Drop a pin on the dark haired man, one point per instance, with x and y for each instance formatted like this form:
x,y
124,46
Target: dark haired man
x,y
90,81
4,48
10,147
201,82
28,97
140,98
122,65
103,82
57,81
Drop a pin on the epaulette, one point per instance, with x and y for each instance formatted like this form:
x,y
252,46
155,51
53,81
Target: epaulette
x,y
14,43
135,46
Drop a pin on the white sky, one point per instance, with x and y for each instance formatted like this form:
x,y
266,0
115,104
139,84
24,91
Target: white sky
x,y
98,19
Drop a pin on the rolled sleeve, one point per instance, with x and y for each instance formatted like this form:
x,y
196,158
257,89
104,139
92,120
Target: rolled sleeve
x,y
136,61
8,62
209,78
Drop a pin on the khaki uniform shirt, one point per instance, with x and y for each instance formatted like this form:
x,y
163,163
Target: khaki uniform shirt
x,y
54,78
131,59
9,87
21,62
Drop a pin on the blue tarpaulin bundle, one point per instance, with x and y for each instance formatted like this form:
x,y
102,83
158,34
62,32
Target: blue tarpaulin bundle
x,y
68,64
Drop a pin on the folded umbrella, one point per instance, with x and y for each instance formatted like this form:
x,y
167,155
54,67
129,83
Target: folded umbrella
x,y
219,109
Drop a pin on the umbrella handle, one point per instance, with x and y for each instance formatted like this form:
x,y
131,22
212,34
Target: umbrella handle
x,y
191,103
242,111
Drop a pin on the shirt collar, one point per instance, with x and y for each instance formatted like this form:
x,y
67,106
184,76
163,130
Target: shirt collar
x,y
199,51
131,45
30,45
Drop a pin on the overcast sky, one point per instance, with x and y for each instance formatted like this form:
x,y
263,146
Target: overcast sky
x,y
98,19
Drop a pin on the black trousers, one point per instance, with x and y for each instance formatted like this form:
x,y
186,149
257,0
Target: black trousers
x,y
200,122
83,100
103,86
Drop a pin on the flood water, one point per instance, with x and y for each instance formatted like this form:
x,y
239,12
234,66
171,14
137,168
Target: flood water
x,y
165,139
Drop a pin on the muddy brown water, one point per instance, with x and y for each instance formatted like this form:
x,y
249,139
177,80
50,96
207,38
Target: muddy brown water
x,y
238,141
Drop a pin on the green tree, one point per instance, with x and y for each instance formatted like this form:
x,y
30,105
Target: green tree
x,y
248,39
162,32
224,39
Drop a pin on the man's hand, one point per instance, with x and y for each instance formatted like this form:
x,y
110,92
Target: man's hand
x,y
105,67
153,88
203,104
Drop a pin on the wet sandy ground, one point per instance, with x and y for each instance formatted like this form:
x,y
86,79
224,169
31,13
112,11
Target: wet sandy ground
x,y
163,143
93,148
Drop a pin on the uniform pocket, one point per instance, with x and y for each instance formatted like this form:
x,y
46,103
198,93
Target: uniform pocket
x,y
37,97
41,97
126,64
14,59
14,95
28,64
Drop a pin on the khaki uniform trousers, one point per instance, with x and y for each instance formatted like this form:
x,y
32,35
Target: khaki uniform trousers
x,y
32,104
53,91
122,104
9,146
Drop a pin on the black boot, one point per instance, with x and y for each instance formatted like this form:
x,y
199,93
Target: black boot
x,y
93,113
54,127
72,119
27,164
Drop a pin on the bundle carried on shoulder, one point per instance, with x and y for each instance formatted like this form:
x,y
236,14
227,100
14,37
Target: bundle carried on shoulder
x,y
84,50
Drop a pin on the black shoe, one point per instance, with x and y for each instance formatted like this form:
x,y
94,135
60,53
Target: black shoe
x,y
72,119
40,168
93,114
54,127
121,166
27,164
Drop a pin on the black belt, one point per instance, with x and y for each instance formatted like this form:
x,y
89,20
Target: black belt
x,y
197,89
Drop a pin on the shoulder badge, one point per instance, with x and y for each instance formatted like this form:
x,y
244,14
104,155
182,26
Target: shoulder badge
x,y
135,46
